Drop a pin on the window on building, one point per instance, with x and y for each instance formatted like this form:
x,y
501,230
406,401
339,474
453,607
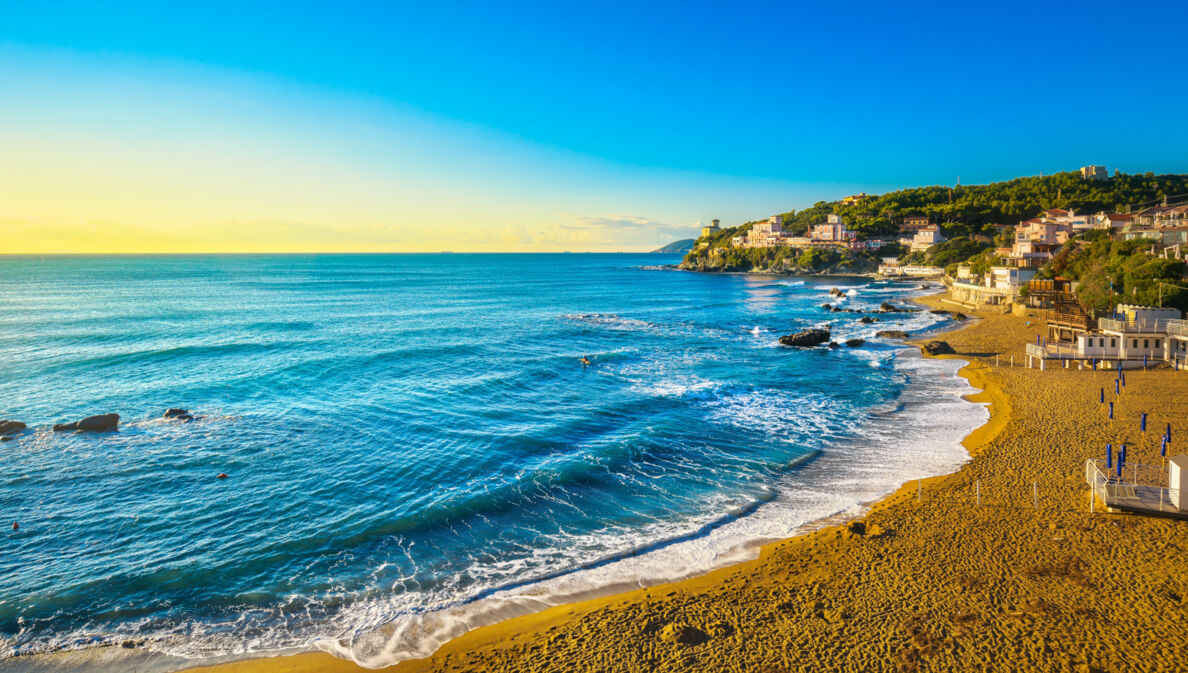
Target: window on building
x,y
1113,343
1158,342
1146,343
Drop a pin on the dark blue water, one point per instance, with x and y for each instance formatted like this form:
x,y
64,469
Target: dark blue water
x,y
407,433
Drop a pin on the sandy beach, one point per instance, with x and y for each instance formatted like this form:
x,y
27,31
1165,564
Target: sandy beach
x,y
928,579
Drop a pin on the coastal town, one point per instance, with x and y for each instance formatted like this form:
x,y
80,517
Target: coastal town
x,y
1102,289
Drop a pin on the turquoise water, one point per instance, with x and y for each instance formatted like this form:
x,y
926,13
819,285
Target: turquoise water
x,y
412,444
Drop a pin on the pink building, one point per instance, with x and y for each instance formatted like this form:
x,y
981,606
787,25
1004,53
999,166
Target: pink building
x,y
833,230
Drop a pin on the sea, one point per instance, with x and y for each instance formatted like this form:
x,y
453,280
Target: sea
x,y
413,446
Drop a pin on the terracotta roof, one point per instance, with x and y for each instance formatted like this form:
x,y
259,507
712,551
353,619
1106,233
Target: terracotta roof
x,y
1119,217
1057,211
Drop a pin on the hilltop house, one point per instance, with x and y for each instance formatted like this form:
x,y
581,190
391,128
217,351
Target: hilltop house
x,y
1113,220
855,199
763,234
833,231
1037,239
1094,173
926,237
712,229
914,222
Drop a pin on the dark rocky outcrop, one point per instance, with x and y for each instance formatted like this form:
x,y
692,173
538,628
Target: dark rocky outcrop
x,y
827,306
834,344
11,427
855,343
178,414
939,311
103,423
959,316
891,334
836,292
938,348
866,320
806,338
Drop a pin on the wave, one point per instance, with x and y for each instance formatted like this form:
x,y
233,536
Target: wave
x,y
874,462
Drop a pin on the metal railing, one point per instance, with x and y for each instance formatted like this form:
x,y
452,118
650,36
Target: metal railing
x,y
1177,328
1139,488
1055,351
1137,326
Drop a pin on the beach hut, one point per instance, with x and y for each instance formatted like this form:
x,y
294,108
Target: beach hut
x,y
1177,481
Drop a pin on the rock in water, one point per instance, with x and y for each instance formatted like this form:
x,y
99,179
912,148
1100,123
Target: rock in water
x,y
938,348
833,344
959,316
939,311
887,307
806,339
179,414
103,423
891,334
854,343
11,427
866,320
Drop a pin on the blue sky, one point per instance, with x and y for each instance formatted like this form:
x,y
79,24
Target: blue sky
x,y
646,119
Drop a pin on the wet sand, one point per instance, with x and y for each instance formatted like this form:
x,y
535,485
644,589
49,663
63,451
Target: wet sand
x,y
934,582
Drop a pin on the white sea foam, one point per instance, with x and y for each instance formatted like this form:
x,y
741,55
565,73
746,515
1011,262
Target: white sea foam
x,y
918,437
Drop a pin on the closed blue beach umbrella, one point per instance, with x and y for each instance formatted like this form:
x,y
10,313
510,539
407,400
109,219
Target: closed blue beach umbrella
x,y
1168,433
1109,456
1163,447
1111,410
1118,471
1102,400
1037,340
1121,456
1143,423
1116,389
